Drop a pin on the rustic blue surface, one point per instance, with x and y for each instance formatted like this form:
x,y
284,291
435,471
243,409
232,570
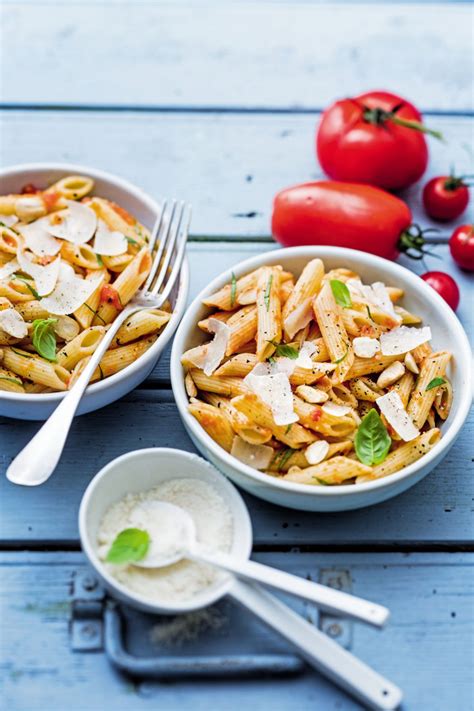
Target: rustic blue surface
x,y
216,103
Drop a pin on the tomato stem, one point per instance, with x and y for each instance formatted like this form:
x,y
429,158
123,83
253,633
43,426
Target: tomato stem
x,y
378,117
412,242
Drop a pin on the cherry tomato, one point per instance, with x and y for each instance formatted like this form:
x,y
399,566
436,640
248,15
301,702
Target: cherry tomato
x,y
343,215
375,138
445,286
461,245
445,197
110,295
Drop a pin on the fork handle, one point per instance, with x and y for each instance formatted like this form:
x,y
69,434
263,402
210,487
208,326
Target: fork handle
x,y
38,460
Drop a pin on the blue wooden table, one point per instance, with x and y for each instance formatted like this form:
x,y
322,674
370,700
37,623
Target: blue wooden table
x,y
216,103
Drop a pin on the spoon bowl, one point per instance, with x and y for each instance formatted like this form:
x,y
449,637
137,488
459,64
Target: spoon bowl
x,y
171,529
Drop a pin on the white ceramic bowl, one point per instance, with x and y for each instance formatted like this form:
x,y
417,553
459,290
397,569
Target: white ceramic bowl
x,y
40,406
140,471
419,297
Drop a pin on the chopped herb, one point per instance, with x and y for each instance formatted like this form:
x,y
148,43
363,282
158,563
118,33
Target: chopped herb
x,y
288,428
271,360
130,240
282,349
285,457
233,290
266,297
31,289
368,312
44,337
99,260
20,353
372,441
11,380
436,382
321,481
94,312
341,293
129,546
339,360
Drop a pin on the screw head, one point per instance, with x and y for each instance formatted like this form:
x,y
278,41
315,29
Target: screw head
x,y
89,583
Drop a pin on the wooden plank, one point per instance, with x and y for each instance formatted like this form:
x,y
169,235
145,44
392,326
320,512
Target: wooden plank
x,y
208,260
437,511
186,54
430,629
228,166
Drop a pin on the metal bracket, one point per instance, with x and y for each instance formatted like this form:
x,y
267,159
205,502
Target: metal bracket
x,y
340,630
86,613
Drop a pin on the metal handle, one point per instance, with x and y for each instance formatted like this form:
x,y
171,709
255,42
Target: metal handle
x,y
319,650
325,597
240,665
38,460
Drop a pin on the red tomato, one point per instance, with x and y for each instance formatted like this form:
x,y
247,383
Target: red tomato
x,y
445,197
343,215
109,295
445,286
374,138
461,245
29,189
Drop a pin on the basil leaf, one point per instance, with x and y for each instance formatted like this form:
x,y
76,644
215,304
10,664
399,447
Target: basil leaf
x,y
266,297
130,240
283,349
31,289
341,293
130,545
44,337
435,383
233,290
372,440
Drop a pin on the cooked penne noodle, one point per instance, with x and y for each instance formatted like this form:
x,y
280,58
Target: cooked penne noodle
x,y
332,471
125,286
422,399
80,347
35,368
140,324
72,187
243,327
293,436
229,387
404,455
329,318
268,312
10,382
215,422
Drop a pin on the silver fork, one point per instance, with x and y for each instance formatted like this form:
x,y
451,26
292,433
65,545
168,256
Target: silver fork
x,y
38,460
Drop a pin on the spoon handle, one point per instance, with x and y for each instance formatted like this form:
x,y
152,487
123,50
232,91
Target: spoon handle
x,y
327,598
321,652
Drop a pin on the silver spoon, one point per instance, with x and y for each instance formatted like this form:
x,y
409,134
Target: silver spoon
x,y
173,537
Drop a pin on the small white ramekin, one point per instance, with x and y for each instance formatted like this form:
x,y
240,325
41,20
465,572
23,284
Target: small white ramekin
x,y
419,297
39,406
141,471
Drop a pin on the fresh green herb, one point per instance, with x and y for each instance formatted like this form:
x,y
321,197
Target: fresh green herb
x,y
94,312
321,481
368,312
233,290
282,349
288,428
372,440
435,383
130,240
285,457
11,380
341,293
271,360
266,297
129,546
339,360
44,337
30,288
20,353
100,261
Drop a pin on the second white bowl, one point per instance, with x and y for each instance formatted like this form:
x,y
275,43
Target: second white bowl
x,y
419,298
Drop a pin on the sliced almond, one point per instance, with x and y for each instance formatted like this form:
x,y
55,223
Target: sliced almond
x,y
317,451
311,395
390,375
410,363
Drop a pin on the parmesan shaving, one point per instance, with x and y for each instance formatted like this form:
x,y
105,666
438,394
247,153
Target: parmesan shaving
x,y
275,391
69,293
288,365
392,408
45,276
365,347
332,408
13,323
77,223
108,242
38,238
257,456
316,452
9,268
375,294
299,318
403,339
